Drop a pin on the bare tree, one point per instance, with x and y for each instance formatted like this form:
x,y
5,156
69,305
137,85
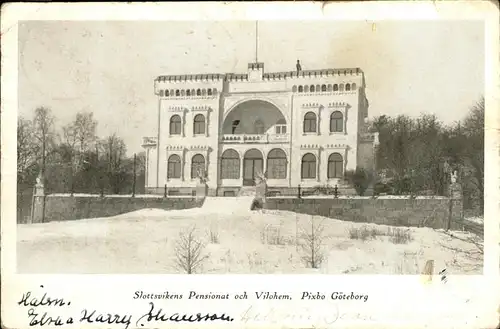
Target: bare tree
x,y
114,155
27,149
189,252
473,129
77,139
43,132
312,238
84,128
68,150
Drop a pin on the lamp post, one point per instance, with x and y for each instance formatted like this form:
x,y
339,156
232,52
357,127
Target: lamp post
x,y
133,186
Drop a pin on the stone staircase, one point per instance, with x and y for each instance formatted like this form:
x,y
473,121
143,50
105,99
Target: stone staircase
x,y
247,191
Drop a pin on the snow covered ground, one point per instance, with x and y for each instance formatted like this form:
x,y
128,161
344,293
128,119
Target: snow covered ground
x,y
477,220
243,242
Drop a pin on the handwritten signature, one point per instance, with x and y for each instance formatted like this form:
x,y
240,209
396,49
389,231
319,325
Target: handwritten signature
x,y
158,315
44,318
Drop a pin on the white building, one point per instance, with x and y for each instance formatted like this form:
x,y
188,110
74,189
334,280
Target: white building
x,y
302,127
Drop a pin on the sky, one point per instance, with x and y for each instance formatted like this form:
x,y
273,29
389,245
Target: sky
x,y
411,67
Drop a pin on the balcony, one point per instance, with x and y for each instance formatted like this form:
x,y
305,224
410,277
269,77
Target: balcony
x,y
255,138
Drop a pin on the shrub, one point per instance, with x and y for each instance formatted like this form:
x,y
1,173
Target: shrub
x,y
382,188
214,235
322,190
312,245
257,204
396,235
399,235
360,179
189,252
364,233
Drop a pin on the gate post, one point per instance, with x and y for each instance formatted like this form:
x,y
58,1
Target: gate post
x,y
38,205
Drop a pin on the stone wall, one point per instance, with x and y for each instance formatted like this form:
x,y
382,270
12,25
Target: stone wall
x,y
431,212
65,207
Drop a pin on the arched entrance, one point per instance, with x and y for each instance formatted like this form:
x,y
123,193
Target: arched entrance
x,y
253,164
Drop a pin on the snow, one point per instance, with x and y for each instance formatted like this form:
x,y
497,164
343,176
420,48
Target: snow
x,y
143,242
477,220
238,205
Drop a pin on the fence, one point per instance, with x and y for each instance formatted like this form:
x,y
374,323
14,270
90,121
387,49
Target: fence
x,y
24,204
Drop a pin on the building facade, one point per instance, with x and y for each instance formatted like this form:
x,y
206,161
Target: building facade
x,y
302,127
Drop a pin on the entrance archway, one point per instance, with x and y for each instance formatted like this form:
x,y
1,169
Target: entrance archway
x,y
253,164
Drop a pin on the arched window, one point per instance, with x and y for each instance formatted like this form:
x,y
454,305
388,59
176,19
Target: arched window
x,y
308,169
203,92
188,92
318,88
335,166
347,87
174,166
198,92
294,89
276,164
306,89
193,92
259,127
323,88
230,165
199,124
166,93
197,166
341,87
183,92
175,125
353,86
336,122
214,91
311,89
161,93
329,87
177,92
335,87
301,89
310,122
209,92
172,92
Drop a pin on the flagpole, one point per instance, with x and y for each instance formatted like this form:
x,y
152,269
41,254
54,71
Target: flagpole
x,y
256,41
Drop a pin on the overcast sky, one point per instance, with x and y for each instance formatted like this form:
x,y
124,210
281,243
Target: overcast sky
x,y
109,67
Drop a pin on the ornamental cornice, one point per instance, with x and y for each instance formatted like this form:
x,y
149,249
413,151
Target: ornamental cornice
x,y
337,104
336,146
311,105
201,108
310,146
177,108
174,148
198,148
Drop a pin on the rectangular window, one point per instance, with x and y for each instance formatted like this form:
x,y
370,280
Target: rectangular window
x,y
196,169
308,170
175,128
199,128
276,168
230,168
280,130
309,126
174,170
